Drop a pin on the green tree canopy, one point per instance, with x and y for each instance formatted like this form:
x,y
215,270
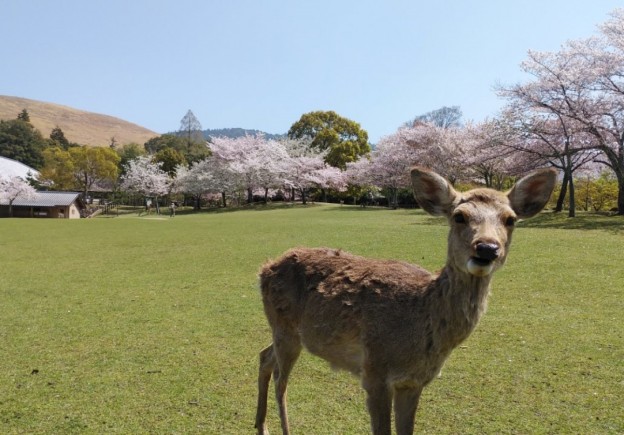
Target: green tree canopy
x,y
192,151
344,140
24,115
80,167
170,159
20,141
128,152
158,143
57,138
58,168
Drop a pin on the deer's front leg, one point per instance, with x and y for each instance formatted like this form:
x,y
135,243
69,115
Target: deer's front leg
x,y
405,404
379,403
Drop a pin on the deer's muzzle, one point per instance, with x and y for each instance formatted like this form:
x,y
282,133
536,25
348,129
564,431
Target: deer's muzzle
x,y
487,251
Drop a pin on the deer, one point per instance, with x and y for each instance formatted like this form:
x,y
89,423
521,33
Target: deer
x,y
391,323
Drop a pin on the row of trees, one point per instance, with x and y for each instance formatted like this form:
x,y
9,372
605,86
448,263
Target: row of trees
x,y
569,115
253,164
250,164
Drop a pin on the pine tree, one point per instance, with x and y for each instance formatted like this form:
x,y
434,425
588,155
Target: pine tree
x,y
24,116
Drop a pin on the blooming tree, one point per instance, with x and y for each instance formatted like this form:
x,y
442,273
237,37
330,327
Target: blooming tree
x,y
13,187
330,177
249,161
210,175
390,164
305,167
302,173
582,85
144,176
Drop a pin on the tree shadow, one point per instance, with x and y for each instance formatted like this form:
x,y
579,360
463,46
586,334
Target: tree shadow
x,y
582,221
551,220
257,206
369,208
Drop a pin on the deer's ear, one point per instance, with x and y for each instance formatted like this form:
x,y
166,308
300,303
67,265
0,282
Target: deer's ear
x,y
434,194
531,194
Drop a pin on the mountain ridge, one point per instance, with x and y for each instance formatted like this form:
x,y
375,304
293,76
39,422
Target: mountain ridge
x,y
237,132
79,126
95,129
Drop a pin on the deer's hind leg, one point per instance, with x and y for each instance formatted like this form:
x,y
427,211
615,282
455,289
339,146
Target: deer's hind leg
x,y
267,365
286,348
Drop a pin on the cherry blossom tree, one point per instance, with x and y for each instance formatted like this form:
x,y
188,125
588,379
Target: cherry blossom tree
x,y
330,178
438,148
492,155
583,84
207,176
251,161
13,187
146,177
390,164
421,143
302,174
305,167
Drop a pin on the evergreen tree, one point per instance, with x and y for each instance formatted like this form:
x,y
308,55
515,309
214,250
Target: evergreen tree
x,y
191,131
24,116
59,138
20,141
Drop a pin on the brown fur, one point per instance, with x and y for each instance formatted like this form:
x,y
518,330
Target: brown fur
x,y
391,323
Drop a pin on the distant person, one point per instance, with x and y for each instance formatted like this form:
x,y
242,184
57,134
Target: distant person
x,y
172,208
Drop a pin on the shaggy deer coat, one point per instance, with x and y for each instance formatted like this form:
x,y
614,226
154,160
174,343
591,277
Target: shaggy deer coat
x,y
391,323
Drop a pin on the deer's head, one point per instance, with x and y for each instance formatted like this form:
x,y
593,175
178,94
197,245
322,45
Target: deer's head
x,y
481,220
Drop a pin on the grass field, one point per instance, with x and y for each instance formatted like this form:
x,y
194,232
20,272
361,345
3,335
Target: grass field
x,y
153,325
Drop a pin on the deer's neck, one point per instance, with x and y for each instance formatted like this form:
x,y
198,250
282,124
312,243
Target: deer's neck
x,y
465,297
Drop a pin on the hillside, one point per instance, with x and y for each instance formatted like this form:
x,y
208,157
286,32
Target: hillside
x,y
85,128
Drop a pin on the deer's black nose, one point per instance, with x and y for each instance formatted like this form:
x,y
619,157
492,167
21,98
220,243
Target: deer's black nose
x,y
487,251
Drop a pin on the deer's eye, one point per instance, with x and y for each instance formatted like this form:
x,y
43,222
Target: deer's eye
x,y
459,218
510,221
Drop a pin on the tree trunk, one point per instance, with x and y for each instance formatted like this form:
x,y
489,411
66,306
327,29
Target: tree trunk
x,y
562,193
488,177
223,198
572,211
266,195
249,195
620,201
303,196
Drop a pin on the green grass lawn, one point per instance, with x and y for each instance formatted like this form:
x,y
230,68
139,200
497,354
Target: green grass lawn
x,y
153,325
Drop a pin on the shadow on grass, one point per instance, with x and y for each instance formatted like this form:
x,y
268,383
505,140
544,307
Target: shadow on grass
x,y
257,206
551,220
358,208
582,221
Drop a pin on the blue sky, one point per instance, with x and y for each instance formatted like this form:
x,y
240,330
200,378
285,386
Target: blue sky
x,y
262,64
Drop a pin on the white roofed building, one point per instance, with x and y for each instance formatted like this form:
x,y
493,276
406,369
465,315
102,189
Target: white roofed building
x,y
13,168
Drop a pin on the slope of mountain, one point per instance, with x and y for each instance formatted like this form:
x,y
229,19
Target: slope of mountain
x,y
84,128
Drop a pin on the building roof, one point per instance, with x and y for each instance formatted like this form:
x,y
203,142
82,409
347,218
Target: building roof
x,y
13,168
49,199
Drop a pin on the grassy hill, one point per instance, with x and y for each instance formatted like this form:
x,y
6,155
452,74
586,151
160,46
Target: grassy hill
x,y
85,128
